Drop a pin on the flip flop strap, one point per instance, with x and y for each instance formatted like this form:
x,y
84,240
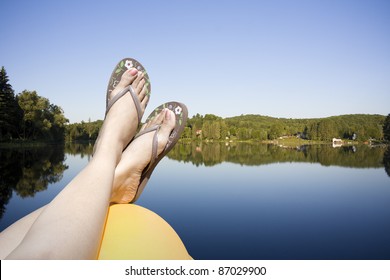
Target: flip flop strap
x,y
130,89
154,156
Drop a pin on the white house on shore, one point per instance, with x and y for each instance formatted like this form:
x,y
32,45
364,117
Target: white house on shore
x,y
336,142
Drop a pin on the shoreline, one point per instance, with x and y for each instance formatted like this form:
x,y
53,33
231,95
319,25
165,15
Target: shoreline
x,y
290,142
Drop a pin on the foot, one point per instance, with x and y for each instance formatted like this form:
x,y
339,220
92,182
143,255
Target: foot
x,y
121,121
137,156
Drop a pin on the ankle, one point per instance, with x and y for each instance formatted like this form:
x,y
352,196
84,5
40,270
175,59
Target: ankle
x,y
108,151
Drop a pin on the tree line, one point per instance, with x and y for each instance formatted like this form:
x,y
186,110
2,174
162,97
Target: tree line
x,y
356,127
28,116
359,127
83,131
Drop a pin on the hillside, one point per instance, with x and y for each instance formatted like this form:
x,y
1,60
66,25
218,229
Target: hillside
x,y
360,127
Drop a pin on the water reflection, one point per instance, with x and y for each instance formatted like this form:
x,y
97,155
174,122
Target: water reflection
x,y
278,211
209,154
29,170
386,161
79,148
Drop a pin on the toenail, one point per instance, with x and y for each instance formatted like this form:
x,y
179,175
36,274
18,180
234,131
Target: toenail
x,y
133,72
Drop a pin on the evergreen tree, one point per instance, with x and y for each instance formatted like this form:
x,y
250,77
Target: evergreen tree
x,y
10,112
386,128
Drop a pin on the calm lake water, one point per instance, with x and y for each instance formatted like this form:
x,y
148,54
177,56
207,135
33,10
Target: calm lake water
x,y
238,201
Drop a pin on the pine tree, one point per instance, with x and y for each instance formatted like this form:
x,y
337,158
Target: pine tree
x,y
10,113
386,128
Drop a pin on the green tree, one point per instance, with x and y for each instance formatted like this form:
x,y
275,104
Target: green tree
x,y
312,131
10,113
275,131
232,131
186,133
35,123
327,130
206,130
41,119
196,123
216,130
223,130
244,133
386,128
58,121
83,131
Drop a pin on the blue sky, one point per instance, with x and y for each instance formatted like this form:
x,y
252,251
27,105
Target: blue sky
x,y
293,59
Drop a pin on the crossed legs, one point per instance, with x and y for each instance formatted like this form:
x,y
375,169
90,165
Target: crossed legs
x,y
72,224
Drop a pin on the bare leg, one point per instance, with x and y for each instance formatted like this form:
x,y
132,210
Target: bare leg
x,y
127,177
70,227
11,237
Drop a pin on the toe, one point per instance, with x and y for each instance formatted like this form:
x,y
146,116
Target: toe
x,y
128,77
140,86
139,80
144,101
169,120
167,125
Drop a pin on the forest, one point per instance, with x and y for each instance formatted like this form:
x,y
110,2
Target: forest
x,y
28,116
357,127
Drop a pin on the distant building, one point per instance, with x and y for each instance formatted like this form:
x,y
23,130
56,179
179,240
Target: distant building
x,y
336,142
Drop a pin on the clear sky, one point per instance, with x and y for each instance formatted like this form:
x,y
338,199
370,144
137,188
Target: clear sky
x,y
293,59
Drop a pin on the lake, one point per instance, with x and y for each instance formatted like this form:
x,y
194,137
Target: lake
x,y
238,200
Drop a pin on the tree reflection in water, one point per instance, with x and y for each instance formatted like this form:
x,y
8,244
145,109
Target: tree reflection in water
x,y
209,154
386,161
79,148
29,170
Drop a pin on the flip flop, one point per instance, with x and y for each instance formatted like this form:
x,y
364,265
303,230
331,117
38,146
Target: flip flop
x,y
115,78
181,114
